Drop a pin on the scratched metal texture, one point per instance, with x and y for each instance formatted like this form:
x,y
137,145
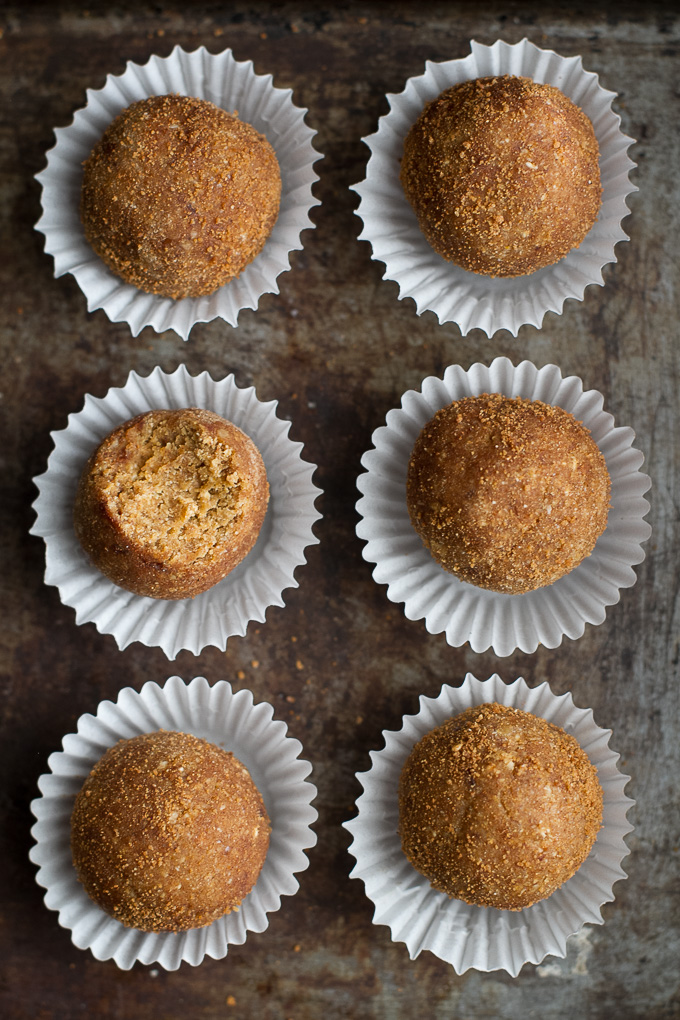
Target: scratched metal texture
x,y
340,663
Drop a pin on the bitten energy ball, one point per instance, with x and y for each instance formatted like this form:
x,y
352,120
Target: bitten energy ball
x,y
503,175
498,807
171,501
179,196
168,832
508,494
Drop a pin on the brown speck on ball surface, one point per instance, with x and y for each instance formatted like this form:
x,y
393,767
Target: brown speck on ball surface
x,y
503,175
168,832
171,501
178,196
498,807
508,494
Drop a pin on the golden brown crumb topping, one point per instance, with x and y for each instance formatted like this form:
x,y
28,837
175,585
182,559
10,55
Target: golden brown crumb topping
x,y
498,807
179,196
507,493
168,832
503,175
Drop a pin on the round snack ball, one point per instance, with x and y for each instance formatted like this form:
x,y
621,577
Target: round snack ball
x,y
168,832
503,175
178,196
507,493
171,501
498,807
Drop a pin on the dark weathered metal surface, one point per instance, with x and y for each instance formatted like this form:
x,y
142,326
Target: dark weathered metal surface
x,y
337,349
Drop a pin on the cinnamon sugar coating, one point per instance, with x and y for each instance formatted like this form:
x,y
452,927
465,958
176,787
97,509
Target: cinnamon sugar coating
x,y
503,175
168,832
178,196
508,494
171,501
498,807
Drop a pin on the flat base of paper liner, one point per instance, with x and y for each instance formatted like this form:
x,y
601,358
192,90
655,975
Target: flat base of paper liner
x,y
462,935
230,720
228,83
461,611
257,583
453,294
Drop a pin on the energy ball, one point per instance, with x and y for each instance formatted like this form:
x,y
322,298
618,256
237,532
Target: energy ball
x,y
503,175
178,196
508,494
498,807
168,832
171,501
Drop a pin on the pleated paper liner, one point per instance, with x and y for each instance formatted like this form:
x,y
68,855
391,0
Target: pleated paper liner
x,y
454,294
230,720
463,612
230,84
257,583
462,935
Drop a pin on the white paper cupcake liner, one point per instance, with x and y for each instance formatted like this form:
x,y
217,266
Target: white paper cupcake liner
x,y
452,293
482,937
247,592
462,611
230,720
230,84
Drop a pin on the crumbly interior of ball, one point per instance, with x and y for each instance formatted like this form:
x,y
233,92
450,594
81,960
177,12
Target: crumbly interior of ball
x,y
168,832
509,494
498,807
171,502
179,195
175,490
503,175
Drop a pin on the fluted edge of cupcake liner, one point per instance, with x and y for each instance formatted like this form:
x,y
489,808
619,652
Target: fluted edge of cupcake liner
x,y
463,612
463,935
216,713
230,84
455,295
246,594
